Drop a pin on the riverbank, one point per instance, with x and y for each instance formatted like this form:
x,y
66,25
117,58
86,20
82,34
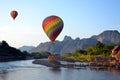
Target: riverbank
x,y
82,65
45,62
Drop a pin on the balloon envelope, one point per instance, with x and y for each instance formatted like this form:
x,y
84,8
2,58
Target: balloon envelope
x,y
52,26
13,14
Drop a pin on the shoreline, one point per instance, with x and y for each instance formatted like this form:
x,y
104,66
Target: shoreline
x,y
80,65
45,62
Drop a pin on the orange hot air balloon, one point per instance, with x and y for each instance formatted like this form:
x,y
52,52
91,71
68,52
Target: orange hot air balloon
x,y
13,14
52,26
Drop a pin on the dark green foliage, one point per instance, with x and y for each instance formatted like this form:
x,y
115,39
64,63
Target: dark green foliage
x,y
99,45
8,53
78,52
67,54
99,49
38,55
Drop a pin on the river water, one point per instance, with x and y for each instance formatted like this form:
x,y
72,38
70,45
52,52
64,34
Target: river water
x,y
25,70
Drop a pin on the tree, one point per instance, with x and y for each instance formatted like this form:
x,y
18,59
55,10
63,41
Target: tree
x,y
90,50
99,45
38,55
5,44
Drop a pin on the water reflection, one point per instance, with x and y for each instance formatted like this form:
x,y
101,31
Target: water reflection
x,y
4,74
55,70
25,70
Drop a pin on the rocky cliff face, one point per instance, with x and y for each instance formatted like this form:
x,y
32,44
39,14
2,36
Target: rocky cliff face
x,y
109,37
69,45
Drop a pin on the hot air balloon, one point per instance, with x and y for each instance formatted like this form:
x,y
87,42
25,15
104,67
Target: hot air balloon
x,y
52,26
13,14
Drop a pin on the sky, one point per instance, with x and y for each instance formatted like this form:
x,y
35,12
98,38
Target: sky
x,y
82,18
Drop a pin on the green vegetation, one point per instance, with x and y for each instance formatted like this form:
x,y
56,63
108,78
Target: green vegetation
x,y
99,50
38,55
8,53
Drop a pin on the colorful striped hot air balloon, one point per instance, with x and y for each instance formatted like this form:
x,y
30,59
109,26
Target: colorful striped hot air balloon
x,y
52,26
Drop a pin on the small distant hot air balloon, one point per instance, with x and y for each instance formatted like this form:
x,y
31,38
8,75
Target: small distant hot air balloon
x,y
13,14
52,26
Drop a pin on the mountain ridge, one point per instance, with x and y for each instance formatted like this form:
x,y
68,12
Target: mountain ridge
x,y
69,45
26,48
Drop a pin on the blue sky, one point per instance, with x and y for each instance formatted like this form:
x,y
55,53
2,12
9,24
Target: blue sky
x,y
82,18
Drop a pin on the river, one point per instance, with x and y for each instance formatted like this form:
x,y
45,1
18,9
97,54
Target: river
x,y
25,70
